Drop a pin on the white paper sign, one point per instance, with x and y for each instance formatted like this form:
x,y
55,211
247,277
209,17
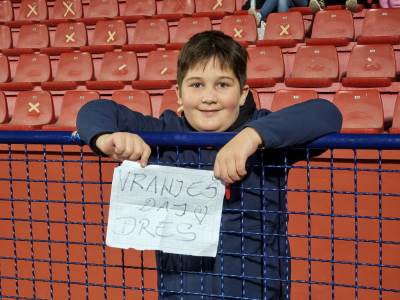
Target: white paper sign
x,y
171,209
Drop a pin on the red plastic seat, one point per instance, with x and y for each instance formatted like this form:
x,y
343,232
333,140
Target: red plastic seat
x,y
381,26
215,9
371,66
5,37
242,28
31,37
173,10
67,10
32,10
117,69
4,68
4,116
32,69
68,37
362,111
396,118
283,29
169,101
149,35
32,110
187,27
6,11
137,9
332,27
314,66
71,103
138,101
285,98
73,68
159,71
101,9
265,66
108,35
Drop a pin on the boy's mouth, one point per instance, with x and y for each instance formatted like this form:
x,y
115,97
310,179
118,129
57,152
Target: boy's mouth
x,y
209,112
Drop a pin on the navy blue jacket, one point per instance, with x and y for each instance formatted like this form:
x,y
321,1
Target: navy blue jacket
x,y
253,255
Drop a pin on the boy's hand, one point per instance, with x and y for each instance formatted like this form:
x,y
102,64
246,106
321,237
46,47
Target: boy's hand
x,y
123,145
230,163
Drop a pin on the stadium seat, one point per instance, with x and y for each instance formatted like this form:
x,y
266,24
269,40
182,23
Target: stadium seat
x,y
332,27
32,110
283,29
73,68
187,27
117,69
108,35
395,129
67,10
4,68
242,28
159,70
32,69
4,116
135,100
370,66
101,9
362,111
173,10
68,37
6,11
169,101
31,10
314,66
137,9
5,37
31,37
381,26
71,103
149,35
285,98
214,9
265,66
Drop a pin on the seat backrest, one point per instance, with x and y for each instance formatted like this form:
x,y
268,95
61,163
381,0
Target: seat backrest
x,y
74,66
33,68
140,7
177,7
316,62
151,31
110,32
211,6
381,22
240,27
121,66
288,25
67,9
6,11
32,10
4,116
138,101
362,110
103,8
5,37
33,36
4,68
285,98
333,24
396,115
160,65
33,108
188,26
265,62
71,34
377,60
169,101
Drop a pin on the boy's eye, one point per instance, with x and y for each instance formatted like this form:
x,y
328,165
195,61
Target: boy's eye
x,y
223,84
196,85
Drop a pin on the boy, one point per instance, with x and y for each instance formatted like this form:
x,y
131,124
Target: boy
x,y
253,255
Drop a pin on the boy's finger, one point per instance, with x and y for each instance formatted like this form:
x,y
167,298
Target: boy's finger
x,y
217,173
241,167
145,156
231,170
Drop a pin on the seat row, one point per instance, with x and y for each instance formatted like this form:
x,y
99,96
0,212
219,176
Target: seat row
x,y
130,10
313,67
362,110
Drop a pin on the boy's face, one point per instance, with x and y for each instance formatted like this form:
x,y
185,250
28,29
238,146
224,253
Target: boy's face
x,y
211,97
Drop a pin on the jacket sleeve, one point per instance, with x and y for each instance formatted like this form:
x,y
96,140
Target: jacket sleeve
x,y
298,124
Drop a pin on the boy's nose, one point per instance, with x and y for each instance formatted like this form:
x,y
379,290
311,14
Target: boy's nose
x,y
209,98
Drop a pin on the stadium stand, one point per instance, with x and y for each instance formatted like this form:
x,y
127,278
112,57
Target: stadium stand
x,y
169,101
214,9
100,9
137,9
135,100
31,37
285,98
4,116
5,37
4,68
395,128
6,11
242,28
66,10
173,10
31,10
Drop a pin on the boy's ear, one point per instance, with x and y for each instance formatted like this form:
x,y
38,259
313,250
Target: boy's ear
x,y
178,95
243,96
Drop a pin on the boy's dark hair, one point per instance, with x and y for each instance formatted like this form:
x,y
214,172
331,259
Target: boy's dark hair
x,y
213,44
